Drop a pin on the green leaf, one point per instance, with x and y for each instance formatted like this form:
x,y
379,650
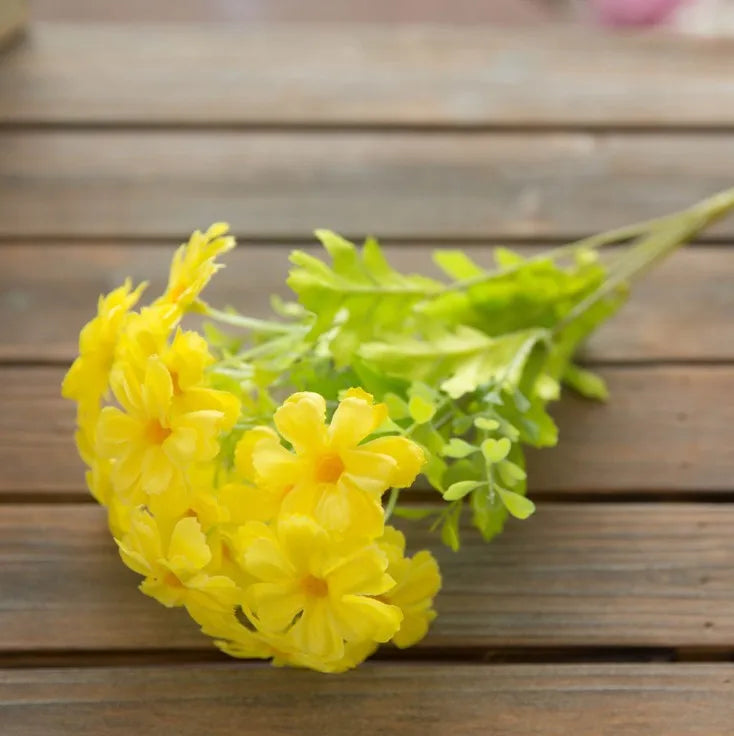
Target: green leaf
x,y
518,295
495,451
510,473
397,408
458,361
456,264
547,388
488,513
588,384
421,411
450,528
359,287
489,425
458,490
519,506
458,448
412,513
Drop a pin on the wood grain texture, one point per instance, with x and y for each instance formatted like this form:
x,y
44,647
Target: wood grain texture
x,y
666,429
283,184
543,700
13,18
680,311
346,75
574,575
255,11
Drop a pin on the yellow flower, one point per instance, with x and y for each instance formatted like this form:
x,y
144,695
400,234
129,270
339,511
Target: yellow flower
x,y
146,333
321,593
418,580
330,474
152,439
174,563
194,264
86,380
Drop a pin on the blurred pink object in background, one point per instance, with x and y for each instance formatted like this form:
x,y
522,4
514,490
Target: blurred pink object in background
x,y
635,12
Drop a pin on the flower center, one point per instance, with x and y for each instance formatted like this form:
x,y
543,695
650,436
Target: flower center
x,y
329,468
315,587
172,581
156,433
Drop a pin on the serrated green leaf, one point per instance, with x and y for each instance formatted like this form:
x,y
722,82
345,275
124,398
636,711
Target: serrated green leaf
x,y
519,506
458,448
460,361
458,490
421,411
357,296
456,264
495,451
506,258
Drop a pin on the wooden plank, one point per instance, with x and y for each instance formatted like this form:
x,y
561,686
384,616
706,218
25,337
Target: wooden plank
x,y
284,184
574,575
665,430
680,311
543,700
377,11
13,17
350,75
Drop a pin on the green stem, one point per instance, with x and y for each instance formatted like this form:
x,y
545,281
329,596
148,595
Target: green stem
x,y
239,320
667,236
391,503
712,209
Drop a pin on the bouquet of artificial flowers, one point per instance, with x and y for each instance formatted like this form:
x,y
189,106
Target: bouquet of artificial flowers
x,y
249,469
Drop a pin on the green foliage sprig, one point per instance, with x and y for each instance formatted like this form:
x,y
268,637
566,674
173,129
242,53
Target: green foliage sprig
x,y
467,365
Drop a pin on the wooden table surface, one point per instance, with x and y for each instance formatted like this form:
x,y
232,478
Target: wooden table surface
x,y
609,612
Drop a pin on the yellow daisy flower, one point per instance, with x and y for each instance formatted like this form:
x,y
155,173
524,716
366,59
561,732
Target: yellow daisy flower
x,y
174,563
321,593
330,473
87,379
151,439
194,264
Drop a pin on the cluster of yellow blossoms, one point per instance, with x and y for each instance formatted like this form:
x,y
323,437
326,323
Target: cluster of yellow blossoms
x,y
278,547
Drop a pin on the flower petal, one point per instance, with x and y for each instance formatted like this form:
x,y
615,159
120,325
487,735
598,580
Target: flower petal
x,y
301,421
362,573
353,420
409,458
188,551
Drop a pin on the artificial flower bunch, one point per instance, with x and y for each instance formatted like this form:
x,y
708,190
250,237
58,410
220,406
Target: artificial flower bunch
x,y
249,468
272,537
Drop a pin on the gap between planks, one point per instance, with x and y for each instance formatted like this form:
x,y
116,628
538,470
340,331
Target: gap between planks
x,y
426,655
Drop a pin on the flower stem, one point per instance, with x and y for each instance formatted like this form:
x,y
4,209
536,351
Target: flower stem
x,y
666,236
239,320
